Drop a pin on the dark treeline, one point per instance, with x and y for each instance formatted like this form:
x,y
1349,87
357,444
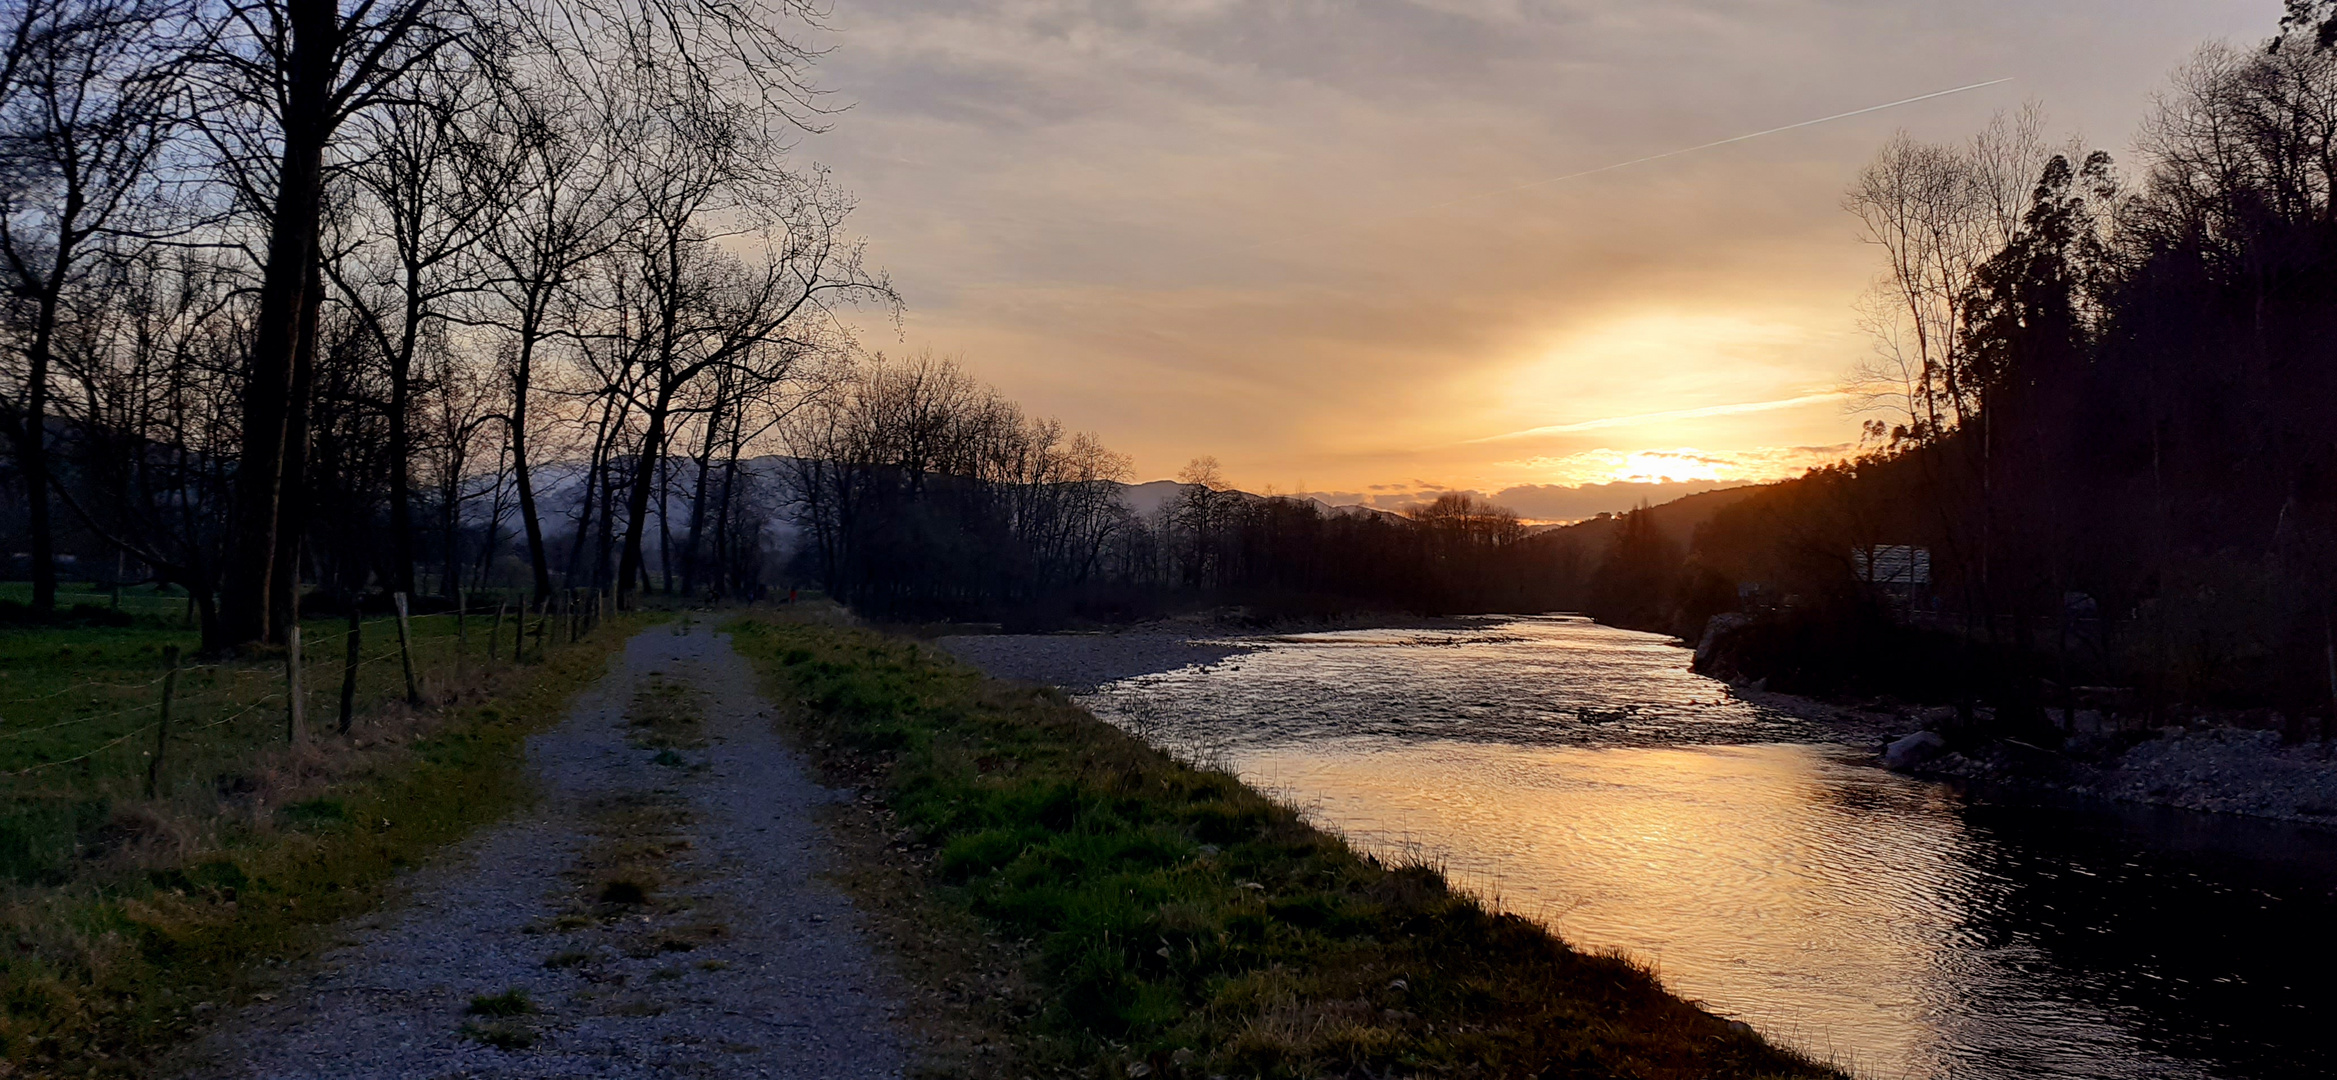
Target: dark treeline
x,y
305,303
2115,422
299,296
921,493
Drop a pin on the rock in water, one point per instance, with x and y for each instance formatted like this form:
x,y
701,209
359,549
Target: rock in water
x,y
1910,751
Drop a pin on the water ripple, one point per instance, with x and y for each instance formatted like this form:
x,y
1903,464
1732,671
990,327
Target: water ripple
x,y
1582,775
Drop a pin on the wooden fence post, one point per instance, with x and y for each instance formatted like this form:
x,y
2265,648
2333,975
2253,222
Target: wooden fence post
x,y
295,717
406,651
543,616
495,632
462,634
170,685
349,666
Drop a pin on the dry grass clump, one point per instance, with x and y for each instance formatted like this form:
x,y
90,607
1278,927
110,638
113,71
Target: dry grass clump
x,y
1177,923
665,715
628,889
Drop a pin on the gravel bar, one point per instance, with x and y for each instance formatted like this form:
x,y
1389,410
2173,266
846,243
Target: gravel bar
x,y
1079,663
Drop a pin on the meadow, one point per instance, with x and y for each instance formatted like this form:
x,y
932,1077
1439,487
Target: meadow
x,y
138,895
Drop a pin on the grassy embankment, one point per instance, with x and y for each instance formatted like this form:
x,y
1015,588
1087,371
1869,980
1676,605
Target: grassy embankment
x,y
1172,922
132,917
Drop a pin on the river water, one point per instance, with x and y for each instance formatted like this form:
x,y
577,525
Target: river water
x,y
1582,775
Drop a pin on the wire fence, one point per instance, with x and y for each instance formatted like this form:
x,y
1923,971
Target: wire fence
x,y
157,722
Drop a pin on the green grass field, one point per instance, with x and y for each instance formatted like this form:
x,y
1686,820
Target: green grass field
x,y
146,602
80,708
134,913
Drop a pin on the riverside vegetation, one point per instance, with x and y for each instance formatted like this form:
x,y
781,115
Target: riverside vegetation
x,y
132,915
1177,923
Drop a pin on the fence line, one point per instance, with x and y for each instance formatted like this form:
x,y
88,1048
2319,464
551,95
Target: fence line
x,y
87,684
124,711
100,748
269,698
121,687
22,732
229,692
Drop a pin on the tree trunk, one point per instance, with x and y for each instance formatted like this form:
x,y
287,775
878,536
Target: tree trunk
x,y
401,447
520,377
691,551
726,562
576,543
665,532
483,572
292,514
629,564
284,287
450,580
605,542
32,450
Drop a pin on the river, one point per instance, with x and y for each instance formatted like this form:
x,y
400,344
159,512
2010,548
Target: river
x,y
1903,928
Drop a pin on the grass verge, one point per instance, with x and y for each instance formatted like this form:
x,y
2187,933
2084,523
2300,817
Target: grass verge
x,y
1175,922
172,905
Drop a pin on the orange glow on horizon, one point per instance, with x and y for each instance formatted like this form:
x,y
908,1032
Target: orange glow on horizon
x,y
1673,465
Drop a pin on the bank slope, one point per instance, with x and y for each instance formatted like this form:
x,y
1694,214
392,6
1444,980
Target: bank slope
x,y
1178,923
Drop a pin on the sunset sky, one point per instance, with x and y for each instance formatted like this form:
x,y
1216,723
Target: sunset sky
x,y
1293,234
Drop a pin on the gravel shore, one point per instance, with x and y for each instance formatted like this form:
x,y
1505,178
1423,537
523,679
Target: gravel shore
x,y
1079,663
742,963
2217,769
2212,767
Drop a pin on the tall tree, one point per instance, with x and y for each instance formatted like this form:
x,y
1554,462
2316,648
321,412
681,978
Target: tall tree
x,y
436,183
87,106
281,79
561,221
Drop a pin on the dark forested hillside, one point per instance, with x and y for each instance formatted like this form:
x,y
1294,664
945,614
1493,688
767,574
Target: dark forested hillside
x,y
2112,432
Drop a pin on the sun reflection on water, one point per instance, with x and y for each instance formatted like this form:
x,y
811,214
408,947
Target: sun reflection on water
x,y
1580,775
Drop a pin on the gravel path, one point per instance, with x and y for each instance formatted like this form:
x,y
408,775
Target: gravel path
x,y
739,961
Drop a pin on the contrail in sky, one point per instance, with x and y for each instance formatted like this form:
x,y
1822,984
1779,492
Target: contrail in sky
x,y
1531,184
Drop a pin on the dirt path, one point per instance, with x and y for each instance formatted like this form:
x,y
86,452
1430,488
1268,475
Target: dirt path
x,y
658,914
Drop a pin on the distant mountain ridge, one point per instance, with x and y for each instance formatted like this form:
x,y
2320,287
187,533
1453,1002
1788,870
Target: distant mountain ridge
x,y
1147,499
1676,521
560,492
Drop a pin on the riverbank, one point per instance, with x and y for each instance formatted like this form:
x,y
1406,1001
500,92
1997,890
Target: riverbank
x,y
1178,923
2212,767
2225,762
1078,662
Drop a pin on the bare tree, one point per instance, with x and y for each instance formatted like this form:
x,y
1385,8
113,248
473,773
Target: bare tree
x,y
435,184
86,111
686,306
1937,212
279,79
560,221
283,78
